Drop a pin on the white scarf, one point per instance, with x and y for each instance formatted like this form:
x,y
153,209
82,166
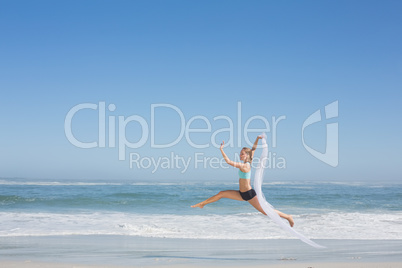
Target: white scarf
x,y
267,207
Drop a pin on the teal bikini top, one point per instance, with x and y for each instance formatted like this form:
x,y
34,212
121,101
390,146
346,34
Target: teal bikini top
x,y
244,175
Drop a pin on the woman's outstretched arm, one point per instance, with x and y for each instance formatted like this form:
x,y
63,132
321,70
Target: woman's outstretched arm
x,y
230,162
242,166
255,145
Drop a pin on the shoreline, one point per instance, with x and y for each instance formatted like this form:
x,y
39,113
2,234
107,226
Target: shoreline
x,y
30,264
126,251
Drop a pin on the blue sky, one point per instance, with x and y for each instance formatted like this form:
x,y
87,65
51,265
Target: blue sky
x,y
286,58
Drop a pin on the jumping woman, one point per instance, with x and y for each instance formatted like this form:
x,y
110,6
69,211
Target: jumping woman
x,y
246,192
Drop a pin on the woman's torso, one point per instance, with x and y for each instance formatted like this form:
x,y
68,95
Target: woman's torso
x,y
244,180
244,185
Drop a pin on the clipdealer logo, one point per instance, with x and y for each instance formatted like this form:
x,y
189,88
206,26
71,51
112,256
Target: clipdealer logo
x,y
112,134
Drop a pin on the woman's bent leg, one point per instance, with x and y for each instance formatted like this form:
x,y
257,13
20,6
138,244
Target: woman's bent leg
x,y
255,203
231,194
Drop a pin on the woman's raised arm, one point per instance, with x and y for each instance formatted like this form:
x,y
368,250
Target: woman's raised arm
x,y
230,162
255,145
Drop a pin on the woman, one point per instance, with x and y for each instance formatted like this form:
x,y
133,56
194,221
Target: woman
x,y
246,192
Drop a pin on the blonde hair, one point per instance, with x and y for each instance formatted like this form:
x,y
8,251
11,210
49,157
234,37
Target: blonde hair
x,y
248,152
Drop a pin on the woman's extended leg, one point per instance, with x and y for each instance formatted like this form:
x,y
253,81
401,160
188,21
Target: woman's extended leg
x,y
254,202
232,194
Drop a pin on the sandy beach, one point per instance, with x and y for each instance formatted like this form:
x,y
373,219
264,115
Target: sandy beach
x,y
122,251
29,264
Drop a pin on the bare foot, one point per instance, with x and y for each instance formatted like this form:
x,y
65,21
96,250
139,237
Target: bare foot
x,y
291,221
199,205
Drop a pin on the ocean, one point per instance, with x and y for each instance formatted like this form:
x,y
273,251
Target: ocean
x,y
353,211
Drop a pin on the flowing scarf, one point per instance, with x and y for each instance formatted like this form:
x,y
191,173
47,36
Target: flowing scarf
x,y
267,207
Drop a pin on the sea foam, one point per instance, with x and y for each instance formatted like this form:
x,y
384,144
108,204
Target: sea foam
x,y
238,226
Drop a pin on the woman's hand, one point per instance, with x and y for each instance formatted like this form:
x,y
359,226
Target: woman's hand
x,y
222,144
256,144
